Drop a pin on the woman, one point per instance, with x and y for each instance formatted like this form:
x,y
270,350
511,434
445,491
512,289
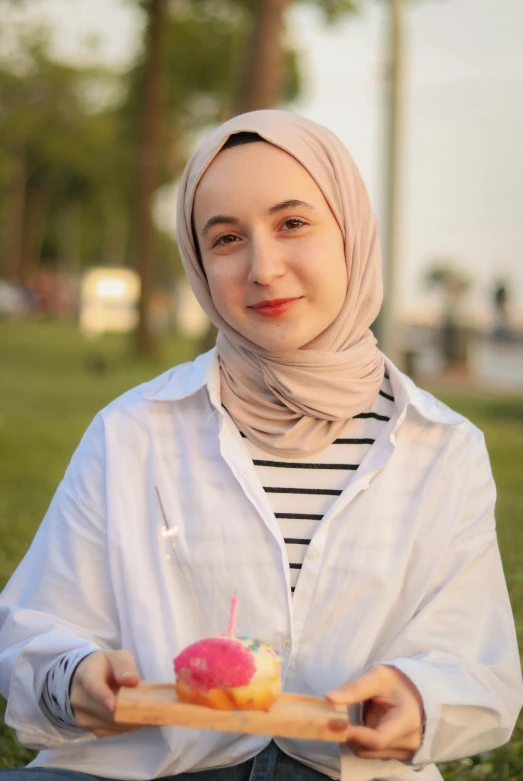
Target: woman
x,y
351,511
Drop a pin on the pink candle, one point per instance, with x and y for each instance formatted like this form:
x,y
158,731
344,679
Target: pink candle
x,y
232,616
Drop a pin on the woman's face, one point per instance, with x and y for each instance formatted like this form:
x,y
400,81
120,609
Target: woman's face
x,y
271,248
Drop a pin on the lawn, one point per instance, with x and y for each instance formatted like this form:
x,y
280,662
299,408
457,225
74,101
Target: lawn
x,y
52,382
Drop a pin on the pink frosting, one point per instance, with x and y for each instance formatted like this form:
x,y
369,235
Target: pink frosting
x,y
216,662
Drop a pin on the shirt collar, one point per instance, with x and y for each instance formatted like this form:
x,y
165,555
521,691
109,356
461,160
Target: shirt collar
x,y
407,394
185,380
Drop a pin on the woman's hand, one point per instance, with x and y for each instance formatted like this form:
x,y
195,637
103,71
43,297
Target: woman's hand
x,y
392,714
96,682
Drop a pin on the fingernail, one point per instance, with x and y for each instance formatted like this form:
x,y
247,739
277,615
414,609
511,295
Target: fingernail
x,y
338,725
128,674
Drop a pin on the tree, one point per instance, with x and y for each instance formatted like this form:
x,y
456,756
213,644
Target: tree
x,y
78,180
266,59
54,150
185,79
148,166
444,275
261,86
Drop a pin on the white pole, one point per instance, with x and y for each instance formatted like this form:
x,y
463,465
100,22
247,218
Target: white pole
x,y
391,227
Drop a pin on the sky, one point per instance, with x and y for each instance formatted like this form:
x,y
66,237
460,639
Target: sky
x,y
463,156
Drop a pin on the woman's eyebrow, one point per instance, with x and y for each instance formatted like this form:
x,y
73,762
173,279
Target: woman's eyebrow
x,y
290,204
223,219
219,219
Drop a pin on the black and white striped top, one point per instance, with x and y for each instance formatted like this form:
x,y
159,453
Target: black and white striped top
x,y
301,490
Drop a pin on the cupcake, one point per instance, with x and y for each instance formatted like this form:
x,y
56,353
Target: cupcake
x,y
228,673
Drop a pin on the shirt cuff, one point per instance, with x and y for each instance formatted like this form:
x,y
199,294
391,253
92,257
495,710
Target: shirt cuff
x,y
431,711
55,698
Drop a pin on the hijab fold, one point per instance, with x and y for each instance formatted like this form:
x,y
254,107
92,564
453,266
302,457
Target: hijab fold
x,y
295,403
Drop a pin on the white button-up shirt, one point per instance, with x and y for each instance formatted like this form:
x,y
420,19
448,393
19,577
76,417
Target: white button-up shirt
x,y
403,569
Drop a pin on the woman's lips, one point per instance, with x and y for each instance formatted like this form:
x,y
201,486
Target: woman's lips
x,y
274,308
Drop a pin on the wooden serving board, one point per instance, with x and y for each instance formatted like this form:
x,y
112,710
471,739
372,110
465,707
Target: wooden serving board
x,y
291,716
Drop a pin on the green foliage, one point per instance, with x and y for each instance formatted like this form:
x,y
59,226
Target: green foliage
x,y
50,115
333,9
204,44
51,392
75,130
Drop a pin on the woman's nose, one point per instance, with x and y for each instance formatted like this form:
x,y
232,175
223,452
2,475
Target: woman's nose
x,y
266,261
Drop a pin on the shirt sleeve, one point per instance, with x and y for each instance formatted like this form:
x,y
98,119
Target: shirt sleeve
x,y
60,598
460,648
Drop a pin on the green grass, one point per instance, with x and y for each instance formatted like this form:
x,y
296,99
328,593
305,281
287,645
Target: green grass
x,y
52,383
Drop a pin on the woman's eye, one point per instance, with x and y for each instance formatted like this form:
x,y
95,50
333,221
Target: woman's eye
x,y
293,223
223,241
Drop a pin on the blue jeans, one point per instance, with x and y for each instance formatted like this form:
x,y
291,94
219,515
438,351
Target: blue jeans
x,y
271,764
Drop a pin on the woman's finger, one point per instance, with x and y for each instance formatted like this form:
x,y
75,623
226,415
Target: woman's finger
x,y
107,732
397,733
100,676
373,682
93,716
400,754
95,684
396,726
91,682
123,668
364,736
88,712
406,745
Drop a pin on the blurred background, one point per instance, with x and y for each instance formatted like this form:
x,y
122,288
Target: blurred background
x,y
102,101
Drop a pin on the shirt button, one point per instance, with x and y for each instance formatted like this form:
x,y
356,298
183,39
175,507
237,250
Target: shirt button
x,y
287,645
312,555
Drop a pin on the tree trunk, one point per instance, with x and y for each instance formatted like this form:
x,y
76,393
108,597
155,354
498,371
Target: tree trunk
x,y
389,333
148,165
262,85
115,239
14,217
70,241
264,72
38,201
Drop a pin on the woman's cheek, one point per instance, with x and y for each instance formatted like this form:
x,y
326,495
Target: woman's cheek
x,y
226,292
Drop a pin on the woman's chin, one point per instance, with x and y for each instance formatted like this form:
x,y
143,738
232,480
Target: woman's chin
x,y
278,346
276,338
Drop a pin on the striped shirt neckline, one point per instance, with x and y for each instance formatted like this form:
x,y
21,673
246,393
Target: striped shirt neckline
x,y
299,506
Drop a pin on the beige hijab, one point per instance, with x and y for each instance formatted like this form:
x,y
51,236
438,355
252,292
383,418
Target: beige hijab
x,y
294,404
